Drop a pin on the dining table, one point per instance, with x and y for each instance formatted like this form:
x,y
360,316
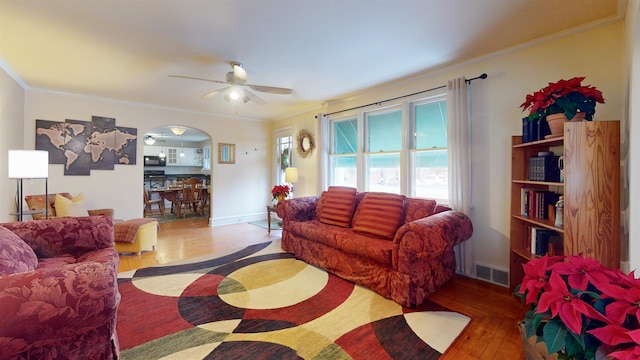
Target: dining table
x,y
172,194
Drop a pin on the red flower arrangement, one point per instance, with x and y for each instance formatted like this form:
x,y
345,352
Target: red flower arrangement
x,y
581,309
280,192
564,96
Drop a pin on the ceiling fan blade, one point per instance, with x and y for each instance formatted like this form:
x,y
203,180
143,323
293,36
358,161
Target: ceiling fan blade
x,y
253,97
270,89
213,93
197,78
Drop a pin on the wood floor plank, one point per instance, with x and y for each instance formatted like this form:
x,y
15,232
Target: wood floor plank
x,y
491,334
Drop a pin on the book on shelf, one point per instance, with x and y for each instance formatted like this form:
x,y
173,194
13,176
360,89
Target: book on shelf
x,y
529,130
535,203
534,130
540,240
544,167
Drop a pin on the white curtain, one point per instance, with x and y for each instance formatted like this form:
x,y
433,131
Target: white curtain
x,y
458,146
323,148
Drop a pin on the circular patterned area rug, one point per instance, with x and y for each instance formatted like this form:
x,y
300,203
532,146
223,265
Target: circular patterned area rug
x,y
262,303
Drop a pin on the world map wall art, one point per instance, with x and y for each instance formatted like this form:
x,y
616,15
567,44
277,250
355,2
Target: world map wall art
x,y
85,145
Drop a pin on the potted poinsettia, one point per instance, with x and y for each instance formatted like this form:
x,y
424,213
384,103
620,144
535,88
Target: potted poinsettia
x,y
581,309
568,97
280,192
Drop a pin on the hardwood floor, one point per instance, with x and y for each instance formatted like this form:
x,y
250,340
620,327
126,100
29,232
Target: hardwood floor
x,y
491,334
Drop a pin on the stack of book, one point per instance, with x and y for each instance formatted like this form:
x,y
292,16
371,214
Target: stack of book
x,y
538,203
534,130
544,167
540,239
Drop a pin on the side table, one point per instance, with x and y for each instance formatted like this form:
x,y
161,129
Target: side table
x,y
270,208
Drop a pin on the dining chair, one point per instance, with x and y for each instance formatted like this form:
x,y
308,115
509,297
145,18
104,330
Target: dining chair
x,y
148,204
190,196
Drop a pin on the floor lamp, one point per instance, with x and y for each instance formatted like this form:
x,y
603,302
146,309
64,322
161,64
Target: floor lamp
x,y
291,176
28,164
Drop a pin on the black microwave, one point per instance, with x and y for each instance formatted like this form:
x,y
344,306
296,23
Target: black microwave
x,y
155,160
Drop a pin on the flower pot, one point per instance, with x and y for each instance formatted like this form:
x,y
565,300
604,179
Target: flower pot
x,y
556,123
534,350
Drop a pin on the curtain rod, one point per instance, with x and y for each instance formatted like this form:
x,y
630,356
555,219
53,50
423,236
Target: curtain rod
x,y
482,76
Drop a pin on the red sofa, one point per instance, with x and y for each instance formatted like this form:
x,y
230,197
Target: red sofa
x,y
58,289
399,247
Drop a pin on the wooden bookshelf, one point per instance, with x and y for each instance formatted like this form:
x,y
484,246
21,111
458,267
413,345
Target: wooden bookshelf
x,y
591,191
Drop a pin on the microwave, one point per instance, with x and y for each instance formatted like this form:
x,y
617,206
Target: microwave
x,y
155,160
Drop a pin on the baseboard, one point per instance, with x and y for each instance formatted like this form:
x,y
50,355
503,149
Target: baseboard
x,y
237,219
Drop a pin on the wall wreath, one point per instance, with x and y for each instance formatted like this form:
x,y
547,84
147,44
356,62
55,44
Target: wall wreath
x,y
305,142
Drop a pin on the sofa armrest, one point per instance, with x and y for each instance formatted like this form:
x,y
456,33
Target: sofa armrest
x,y
71,235
297,209
429,237
40,307
98,212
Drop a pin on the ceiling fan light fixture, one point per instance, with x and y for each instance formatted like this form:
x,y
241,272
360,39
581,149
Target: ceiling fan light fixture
x,y
236,93
149,140
178,130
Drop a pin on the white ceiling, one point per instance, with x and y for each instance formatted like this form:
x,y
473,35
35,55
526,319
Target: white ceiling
x,y
323,49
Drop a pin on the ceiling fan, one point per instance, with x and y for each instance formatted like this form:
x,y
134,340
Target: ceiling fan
x,y
237,81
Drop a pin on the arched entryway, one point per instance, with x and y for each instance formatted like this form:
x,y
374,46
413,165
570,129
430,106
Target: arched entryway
x,y
173,154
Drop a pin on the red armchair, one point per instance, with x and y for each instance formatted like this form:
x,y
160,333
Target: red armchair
x,y
65,307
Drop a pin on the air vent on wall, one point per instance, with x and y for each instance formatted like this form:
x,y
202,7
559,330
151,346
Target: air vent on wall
x,y
491,274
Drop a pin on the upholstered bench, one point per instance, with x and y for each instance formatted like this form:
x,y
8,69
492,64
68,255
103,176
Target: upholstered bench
x,y
135,235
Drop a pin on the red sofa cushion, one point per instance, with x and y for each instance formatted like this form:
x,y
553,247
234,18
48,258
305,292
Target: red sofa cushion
x,y
338,205
345,240
379,215
15,255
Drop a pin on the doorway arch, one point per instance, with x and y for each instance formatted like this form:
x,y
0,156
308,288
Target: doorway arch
x,y
187,153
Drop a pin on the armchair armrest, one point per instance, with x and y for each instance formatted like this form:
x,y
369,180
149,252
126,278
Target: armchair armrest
x,y
297,209
429,237
73,236
40,307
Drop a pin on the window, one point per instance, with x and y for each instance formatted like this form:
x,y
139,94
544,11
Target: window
x,y
344,152
383,147
393,150
283,148
429,162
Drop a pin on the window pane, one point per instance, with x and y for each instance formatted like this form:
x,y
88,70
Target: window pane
x,y
283,156
385,131
431,125
431,176
344,171
384,172
345,137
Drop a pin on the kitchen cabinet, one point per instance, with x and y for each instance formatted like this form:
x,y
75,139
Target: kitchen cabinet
x,y
191,157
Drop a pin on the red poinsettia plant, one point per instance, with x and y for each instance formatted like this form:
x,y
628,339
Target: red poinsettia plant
x,y
581,309
280,192
565,96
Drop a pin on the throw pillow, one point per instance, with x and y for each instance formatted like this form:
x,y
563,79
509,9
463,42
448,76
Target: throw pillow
x,y
70,207
379,215
418,208
15,255
338,206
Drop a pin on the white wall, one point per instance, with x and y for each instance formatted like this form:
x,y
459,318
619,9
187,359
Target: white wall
x,y
496,116
11,137
240,191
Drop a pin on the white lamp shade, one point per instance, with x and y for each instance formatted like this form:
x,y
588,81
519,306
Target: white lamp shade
x,y
28,164
291,175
